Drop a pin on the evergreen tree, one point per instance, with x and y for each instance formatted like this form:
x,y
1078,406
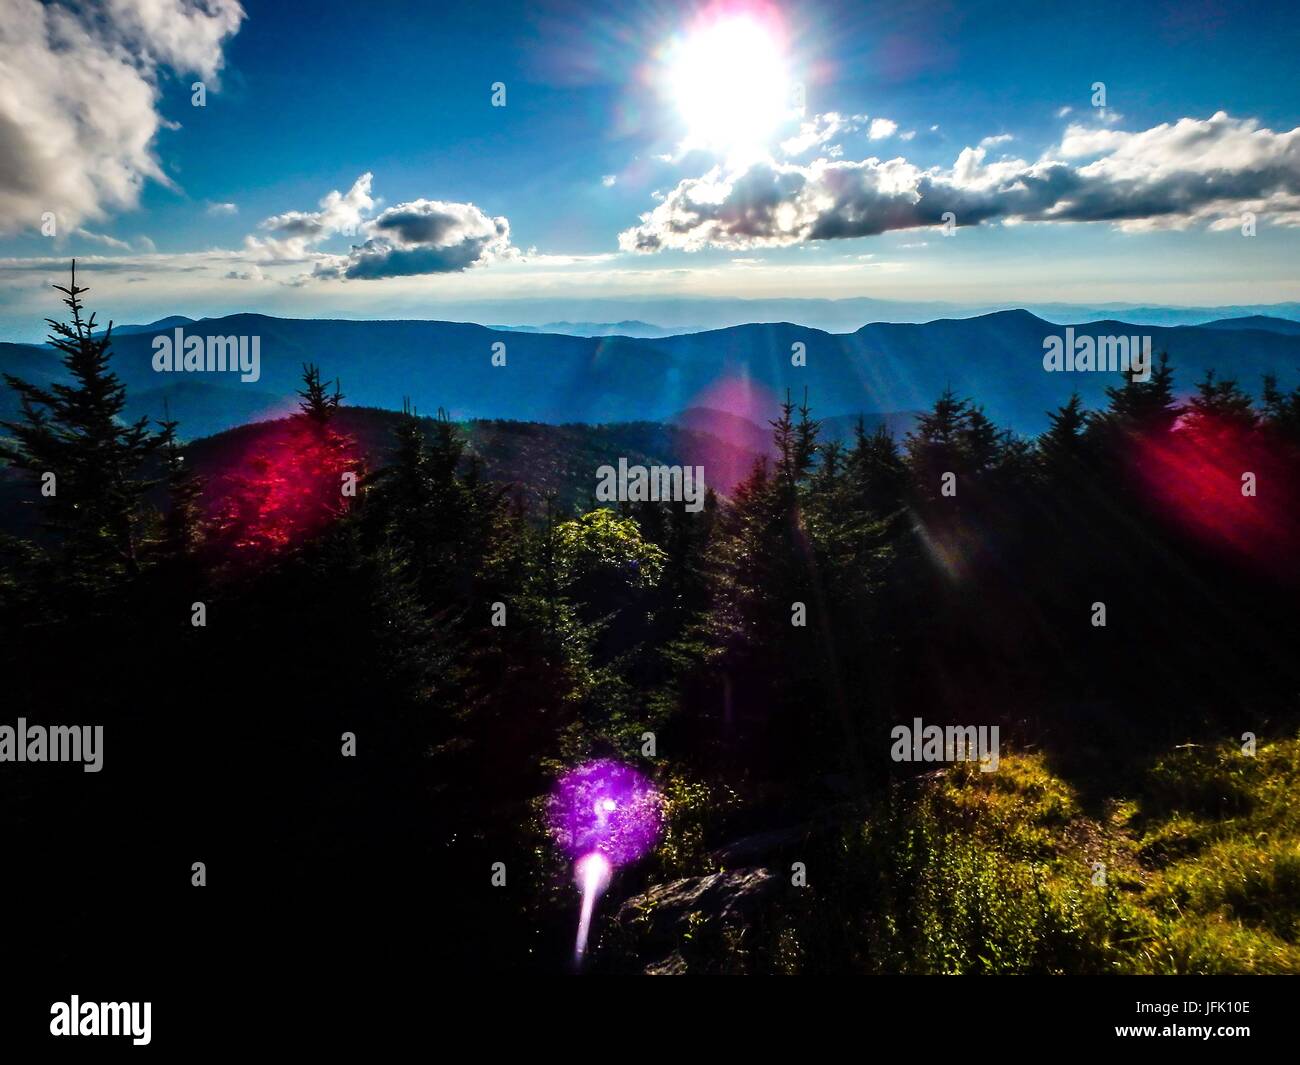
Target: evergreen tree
x,y
182,523
1061,448
876,471
829,470
954,436
1140,406
316,402
401,490
1218,405
806,447
783,440
1281,412
74,432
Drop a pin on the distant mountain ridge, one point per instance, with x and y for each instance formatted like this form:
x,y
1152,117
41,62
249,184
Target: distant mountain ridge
x,y
882,368
672,315
1257,321
630,328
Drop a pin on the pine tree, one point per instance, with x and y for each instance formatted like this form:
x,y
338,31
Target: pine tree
x,y
1281,411
982,443
954,436
876,471
1143,406
830,469
75,433
806,447
181,526
934,445
404,483
1220,404
783,438
1061,448
316,402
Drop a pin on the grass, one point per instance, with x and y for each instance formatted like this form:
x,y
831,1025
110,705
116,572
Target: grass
x,y
1199,872
1193,868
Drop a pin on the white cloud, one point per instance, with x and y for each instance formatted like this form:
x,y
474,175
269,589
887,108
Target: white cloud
x,y
882,128
223,208
816,131
79,99
1169,176
609,180
101,238
293,234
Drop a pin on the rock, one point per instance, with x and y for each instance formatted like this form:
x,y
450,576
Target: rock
x,y
673,965
668,919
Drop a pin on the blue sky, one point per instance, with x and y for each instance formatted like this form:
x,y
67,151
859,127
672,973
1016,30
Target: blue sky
x,y
646,152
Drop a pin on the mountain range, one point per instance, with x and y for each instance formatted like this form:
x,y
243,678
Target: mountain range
x,y
887,370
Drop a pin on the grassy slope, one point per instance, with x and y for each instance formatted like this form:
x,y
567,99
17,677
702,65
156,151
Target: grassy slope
x,y
1197,872
1194,868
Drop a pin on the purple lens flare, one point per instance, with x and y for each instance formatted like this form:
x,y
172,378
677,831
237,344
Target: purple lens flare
x,y
608,808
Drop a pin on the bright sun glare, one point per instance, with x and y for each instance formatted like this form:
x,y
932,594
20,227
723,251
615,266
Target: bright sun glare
x,y
730,84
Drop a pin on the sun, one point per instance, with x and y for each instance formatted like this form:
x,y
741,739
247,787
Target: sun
x,y
729,80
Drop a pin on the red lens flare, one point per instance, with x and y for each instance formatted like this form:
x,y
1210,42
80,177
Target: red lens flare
x,y
1225,484
288,487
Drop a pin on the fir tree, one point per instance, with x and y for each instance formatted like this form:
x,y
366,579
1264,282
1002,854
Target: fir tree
x,y
316,402
1220,404
876,470
806,447
954,436
181,525
75,433
783,440
1281,411
1062,447
1143,406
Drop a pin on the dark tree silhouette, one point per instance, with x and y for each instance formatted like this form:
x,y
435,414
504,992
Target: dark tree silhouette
x,y
89,466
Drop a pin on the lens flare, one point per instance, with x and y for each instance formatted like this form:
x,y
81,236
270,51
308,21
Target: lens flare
x,y
603,814
592,873
1225,485
606,807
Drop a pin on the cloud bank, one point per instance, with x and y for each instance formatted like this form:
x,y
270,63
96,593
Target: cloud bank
x,y
1169,176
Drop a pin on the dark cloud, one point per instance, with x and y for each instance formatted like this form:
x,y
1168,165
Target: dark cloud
x,y
424,237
